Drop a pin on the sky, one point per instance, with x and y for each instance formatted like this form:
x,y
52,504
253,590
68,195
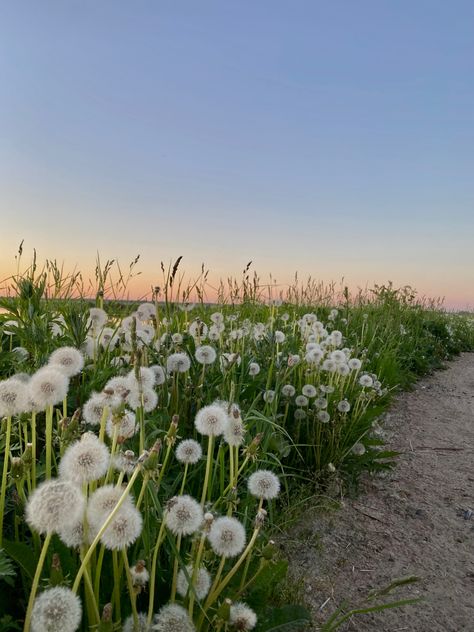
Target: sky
x,y
335,139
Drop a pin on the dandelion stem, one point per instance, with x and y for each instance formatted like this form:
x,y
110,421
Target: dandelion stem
x,y
34,587
159,541
6,460
49,439
208,468
131,590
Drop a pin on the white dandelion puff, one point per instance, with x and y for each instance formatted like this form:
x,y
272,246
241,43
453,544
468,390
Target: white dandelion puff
x,y
188,451
242,617
147,398
309,390
227,536
48,387
97,319
102,502
183,515
288,390
85,460
124,528
54,504
205,354
13,397
234,432
343,406
366,381
94,409
146,378
125,426
301,400
201,585
56,609
211,420
264,484
178,363
68,360
129,624
173,618
254,368
160,375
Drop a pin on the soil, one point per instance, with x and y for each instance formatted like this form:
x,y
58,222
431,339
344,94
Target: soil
x,y
416,520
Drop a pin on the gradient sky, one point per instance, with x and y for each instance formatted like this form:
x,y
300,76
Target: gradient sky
x,y
333,138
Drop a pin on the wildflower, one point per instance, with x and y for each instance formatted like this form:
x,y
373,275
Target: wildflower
x,y
301,400
366,380
254,368
300,414
358,449
102,502
242,617
211,420
72,535
139,574
13,397
68,360
119,385
198,330
288,390
323,416
205,354
320,403
85,460
108,338
264,484
329,365
217,318
279,337
124,528
293,359
124,461
97,319
234,432
48,387
177,339
227,536
53,505
56,610
314,356
94,409
146,378
178,363
129,624
188,451
309,390
125,426
343,406
338,356
160,375
269,396
146,311
343,369
147,398
336,338
183,515
173,617
201,585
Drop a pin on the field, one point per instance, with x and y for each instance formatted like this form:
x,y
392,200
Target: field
x,y
149,450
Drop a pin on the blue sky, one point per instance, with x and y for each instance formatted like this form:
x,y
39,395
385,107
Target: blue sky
x,y
333,138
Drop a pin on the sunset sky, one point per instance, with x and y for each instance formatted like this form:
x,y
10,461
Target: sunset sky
x,y
330,138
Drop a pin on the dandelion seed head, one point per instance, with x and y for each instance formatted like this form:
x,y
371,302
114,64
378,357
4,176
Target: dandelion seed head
x,y
309,390
205,354
268,396
242,617
13,397
160,375
279,337
94,409
173,618
125,426
68,360
54,504
366,381
301,400
56,610
124,528
227,536
264,484
188,451
85,460
358,449
146,311
129,624
146,378
183,515
234,432
254,368
323,416
48,387
343,406
148,398
102,502
211,420
97,319
178,363
202,582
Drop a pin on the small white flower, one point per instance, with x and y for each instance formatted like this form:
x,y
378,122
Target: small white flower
x,y
288,390
366,381
188,451
173,618
205,354
56,609
242,617
309,390
301,400
48,387
202,582
53,505
358,449
227,536
343,406
211,420
323,416
68,360
183,515
264,484
85,460
13,397
178,363
254,368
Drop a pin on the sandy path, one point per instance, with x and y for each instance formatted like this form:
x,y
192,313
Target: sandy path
x,y
413,521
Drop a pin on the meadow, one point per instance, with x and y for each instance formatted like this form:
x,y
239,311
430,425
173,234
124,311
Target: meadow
x,y
149,449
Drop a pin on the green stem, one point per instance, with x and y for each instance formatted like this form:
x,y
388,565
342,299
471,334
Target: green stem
x,y
131,590
49,440
33,450
118,613
6,459
34,587
208,469
175,569
159,541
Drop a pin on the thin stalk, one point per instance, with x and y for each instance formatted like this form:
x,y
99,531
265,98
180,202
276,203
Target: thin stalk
x,y
159,541
34,587
131,590
208,469
49,440
6,460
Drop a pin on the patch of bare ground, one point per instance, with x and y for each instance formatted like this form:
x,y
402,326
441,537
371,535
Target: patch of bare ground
x,y
414,521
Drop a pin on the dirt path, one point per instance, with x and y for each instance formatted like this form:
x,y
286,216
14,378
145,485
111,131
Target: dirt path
x,y
415,521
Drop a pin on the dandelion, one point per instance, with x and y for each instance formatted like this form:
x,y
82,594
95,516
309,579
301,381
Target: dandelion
x,y
343,406
314,356
338,356
145,334
205,354
173,617
68,360
108,338
343,369
56,609
288,390
146,378
48,387
329,365
254,368
323,416
211,420
301,400
72,535
320,403
183,515
85,460
336,338
198,330
119,385
147,398
129,624
217,318
53,505
97,319
234,432
264,484
160,375
177,339
293,359
279,337
178,363
227,536
13,397
242,617
125,426
124,528
139,574
188,451
309,390
201,585
358,449
102,502
269,396
124,461
300,414
94,409
146,311
366,381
